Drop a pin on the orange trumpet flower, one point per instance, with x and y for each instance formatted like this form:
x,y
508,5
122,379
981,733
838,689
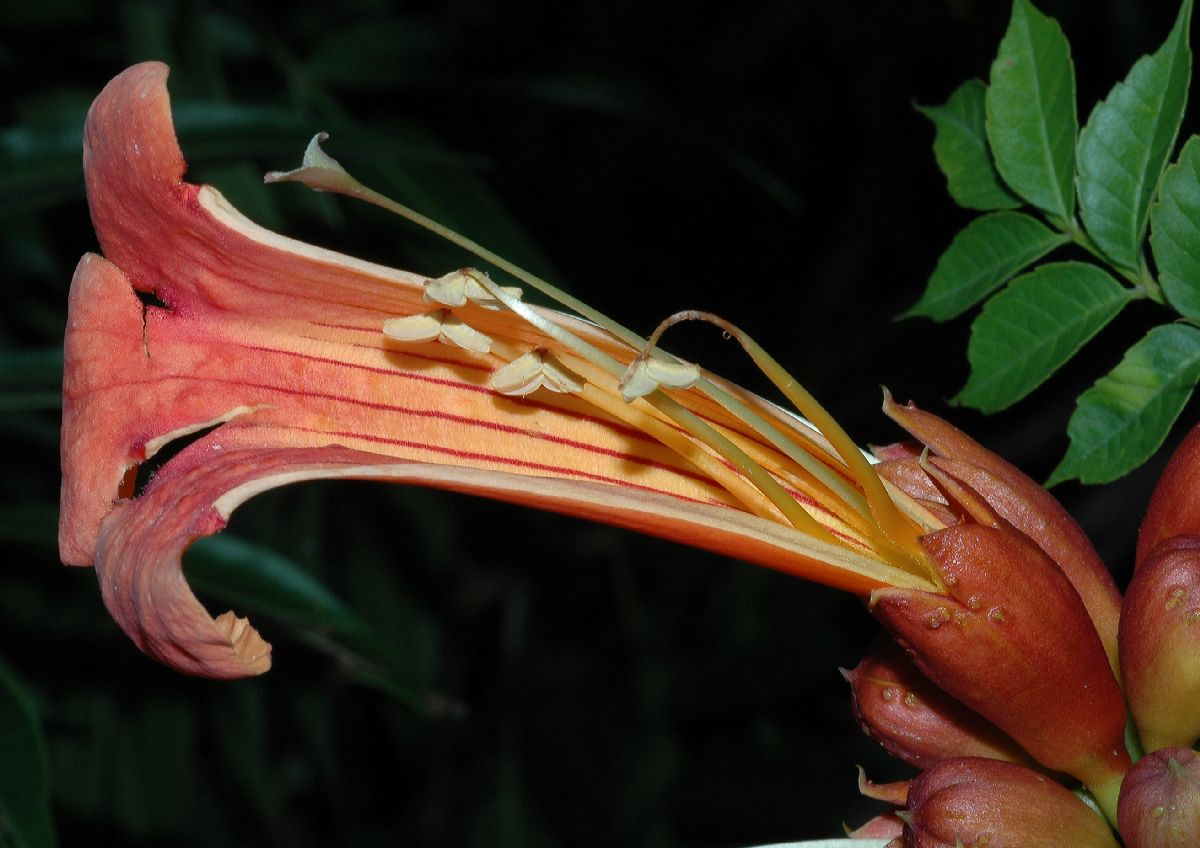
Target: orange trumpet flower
x,y
315,364
293,363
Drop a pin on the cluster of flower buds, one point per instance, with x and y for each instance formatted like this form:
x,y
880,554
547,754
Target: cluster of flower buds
x,y
1011,656
1014,679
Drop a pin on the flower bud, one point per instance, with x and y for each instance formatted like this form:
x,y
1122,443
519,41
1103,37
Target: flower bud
x,y
1011,639
1174,507
1160,801
913,719
978,802
1160,644
1024,504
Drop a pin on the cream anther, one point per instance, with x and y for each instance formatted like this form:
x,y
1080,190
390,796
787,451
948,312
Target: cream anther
x,y
643,376
462,286
438,325
533,370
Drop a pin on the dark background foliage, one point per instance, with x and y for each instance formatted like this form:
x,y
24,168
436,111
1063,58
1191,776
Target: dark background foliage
x,y
500,677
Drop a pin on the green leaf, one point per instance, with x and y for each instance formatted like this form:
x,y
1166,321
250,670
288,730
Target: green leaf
x,y
1026,333
1121,420
30,380
1175,231
961,148
255,579
1126,143
30,522
25,820
1030,104
981,258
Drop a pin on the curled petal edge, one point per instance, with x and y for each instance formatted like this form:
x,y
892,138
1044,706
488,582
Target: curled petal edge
x,y
141,541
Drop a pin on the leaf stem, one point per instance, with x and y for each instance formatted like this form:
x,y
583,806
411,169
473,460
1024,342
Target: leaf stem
x,y
1142,280
1150,285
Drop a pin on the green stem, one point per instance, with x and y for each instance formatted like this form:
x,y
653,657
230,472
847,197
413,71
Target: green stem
x,y
1133,742
1106,795
1149,284
1142,280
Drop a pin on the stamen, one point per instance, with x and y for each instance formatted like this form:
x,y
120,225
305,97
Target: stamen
x,y
531,371
827,477
795,514
644,376
651,421
891,521
438,325
460,287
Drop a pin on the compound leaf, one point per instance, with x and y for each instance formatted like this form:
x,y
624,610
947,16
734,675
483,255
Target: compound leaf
x,y
982,257
1025,333
1126,143
1030,104
1175,231
961,148
1122,419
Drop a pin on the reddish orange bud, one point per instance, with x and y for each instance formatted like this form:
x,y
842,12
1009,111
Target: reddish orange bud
x,y
913,719
979,802
1011,639
1160,644
1024,504
1160,801
1175,505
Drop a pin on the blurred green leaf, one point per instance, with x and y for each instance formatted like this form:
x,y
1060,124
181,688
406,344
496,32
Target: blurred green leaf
x,y
1126,143
153,787
507,819
34,523
1125,416
245,745
25,819
961,148
256,579
384,51
242,184
1026,333
81,752
39,165
1030,103
638,105
1175,230
47,12
981,258
438,192
213,129
30,379
134,762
